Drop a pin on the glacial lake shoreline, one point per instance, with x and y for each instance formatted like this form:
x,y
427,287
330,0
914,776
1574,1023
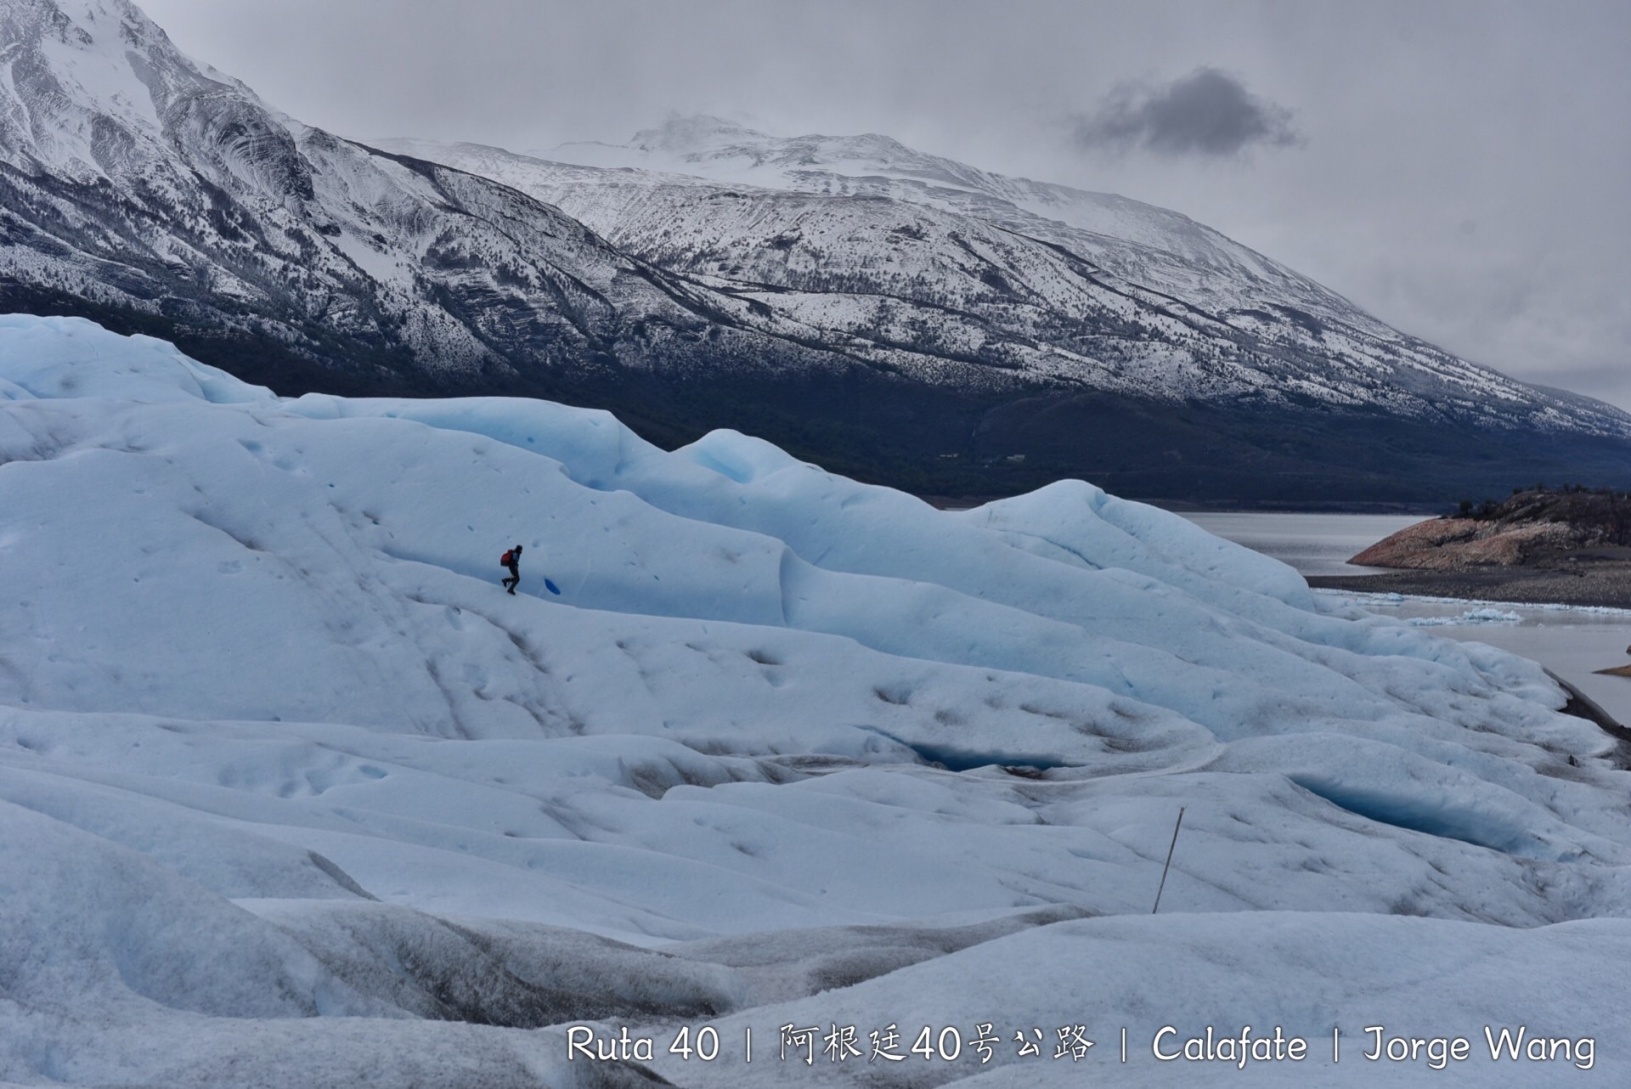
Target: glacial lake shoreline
x,y
1574,639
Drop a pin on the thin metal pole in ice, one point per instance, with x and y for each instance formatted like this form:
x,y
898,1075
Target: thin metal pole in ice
x,y
1168,866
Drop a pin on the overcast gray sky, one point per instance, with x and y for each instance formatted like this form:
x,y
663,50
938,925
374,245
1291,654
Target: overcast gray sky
x,y
1460,169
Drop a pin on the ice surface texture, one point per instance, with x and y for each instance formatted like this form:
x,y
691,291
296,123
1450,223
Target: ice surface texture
x,y
284,773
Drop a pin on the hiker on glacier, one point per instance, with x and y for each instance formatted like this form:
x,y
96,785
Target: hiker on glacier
x,y
512,560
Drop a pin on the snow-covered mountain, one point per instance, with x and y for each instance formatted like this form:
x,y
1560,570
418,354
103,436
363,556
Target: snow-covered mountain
x,y
897,315
292,794
138,184
1145,246
871,236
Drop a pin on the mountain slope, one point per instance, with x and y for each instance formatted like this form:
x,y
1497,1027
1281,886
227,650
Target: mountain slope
x,y
1289,332
137,184
1138,242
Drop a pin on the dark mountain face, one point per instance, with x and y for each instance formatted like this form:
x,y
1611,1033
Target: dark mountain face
x,y
910,321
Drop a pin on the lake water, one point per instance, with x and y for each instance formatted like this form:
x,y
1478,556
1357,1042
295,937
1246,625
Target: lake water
x,y
1315,544
1571,642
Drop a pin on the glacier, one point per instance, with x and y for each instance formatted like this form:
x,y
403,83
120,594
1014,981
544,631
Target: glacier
x,y
295,795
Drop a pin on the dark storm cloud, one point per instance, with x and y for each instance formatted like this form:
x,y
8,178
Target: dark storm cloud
x,y
1207,112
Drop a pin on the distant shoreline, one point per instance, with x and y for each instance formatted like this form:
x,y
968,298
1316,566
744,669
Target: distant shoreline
x,y
1312,506
1601,584
1226,506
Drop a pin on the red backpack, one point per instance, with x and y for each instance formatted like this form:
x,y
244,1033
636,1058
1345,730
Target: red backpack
x,y
507,559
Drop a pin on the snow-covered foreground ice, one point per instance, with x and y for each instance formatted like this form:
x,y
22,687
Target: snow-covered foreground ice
x,y
293,794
